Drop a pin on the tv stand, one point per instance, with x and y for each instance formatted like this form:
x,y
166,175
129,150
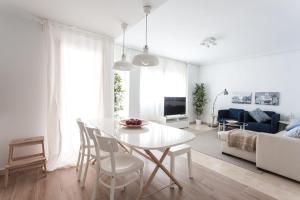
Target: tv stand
x,y
177,121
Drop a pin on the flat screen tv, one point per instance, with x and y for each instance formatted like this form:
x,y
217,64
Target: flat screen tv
x,y
174,106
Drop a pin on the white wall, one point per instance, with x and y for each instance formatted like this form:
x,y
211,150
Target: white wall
x,y
22,82
275,73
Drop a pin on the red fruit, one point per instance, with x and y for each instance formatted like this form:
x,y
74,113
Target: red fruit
x,y
139,122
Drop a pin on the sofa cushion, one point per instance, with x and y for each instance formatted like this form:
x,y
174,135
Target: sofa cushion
x,y
234,113
294,123
260,127
259,115
295,132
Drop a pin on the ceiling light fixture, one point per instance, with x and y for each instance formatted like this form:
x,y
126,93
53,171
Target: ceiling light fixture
x,y
123,65
145,59
208,42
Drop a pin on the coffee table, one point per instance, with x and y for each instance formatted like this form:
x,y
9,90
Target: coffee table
x,y
232,124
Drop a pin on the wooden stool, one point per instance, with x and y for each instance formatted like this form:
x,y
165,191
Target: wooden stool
x,y
33,161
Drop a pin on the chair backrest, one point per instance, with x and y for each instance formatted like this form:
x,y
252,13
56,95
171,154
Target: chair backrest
x,y
92,132
81,131
108,145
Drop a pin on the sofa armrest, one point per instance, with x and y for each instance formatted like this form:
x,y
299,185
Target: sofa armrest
x,y
222,114
275,123
278,154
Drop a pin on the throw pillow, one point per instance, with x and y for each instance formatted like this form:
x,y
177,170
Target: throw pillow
x,y
259,115
294,123
295,132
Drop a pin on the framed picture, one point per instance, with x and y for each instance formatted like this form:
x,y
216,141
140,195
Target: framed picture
x,y
267,98
242,98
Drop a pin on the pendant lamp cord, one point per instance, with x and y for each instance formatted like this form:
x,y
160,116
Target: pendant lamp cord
x,y
147,30
123,41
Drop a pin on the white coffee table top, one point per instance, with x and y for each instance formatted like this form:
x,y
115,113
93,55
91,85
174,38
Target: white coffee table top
x,y
151,136
231,121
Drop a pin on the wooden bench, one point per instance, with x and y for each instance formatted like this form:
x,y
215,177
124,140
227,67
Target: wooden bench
x,y
33,161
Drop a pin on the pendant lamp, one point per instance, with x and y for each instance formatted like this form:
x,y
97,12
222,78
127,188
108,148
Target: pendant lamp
x,y
145,59
123,65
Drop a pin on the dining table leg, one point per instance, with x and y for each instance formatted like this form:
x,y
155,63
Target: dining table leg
x,y
158,165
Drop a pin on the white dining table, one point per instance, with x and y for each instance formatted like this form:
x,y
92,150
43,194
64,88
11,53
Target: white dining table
x,y
145,140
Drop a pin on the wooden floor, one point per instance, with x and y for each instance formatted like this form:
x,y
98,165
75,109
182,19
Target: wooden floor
x,y
62,184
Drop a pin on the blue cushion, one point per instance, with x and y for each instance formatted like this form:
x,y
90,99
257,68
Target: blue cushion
x,y
294,123
234,113
259,115
295,132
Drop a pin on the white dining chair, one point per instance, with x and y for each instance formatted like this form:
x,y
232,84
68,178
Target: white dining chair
x,y
86,153
177,151
118,164
89,133
84,149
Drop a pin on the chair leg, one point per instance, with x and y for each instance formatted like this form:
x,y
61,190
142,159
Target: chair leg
x,y
94,194
45,169
189,159
172,169
86,168
81,164
141,179
112,188
6,178
78,159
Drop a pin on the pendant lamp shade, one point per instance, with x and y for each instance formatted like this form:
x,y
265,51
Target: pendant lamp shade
x,y
123,65
145,59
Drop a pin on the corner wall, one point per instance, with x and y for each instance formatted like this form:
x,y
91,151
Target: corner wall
x,y
275,73
22,82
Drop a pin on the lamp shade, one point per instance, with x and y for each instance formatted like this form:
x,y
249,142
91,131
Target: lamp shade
x,y
145,59
122,65
225,92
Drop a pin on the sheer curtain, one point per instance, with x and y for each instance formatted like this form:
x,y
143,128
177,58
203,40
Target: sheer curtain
x,y
79,86
167,79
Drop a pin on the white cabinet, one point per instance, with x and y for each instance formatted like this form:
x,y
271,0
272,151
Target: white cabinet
x,y
177,121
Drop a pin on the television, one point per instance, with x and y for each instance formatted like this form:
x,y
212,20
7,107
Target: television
x,y
174,106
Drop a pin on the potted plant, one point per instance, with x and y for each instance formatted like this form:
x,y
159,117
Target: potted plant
x,y
199,100
118,93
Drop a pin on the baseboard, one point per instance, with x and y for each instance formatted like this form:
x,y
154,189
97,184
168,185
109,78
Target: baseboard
x,y
205,123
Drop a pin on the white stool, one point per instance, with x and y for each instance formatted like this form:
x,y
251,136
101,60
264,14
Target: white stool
x,y
177,151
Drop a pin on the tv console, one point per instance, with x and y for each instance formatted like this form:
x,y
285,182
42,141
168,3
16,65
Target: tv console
x,y
177,121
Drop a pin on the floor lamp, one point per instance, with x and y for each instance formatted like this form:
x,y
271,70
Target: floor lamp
x,y
225,92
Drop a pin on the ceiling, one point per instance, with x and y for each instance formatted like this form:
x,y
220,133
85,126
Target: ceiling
x,y
101,16
243,29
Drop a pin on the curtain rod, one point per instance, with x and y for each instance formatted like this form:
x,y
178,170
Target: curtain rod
x,y
26,15
101,35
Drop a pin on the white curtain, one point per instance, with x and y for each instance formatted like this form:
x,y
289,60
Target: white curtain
x,y
166,80
79,86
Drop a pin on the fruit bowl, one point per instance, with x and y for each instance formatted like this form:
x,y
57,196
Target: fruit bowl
x,y
133,123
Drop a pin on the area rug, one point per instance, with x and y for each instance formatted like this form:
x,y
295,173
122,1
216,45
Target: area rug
x,y
207,142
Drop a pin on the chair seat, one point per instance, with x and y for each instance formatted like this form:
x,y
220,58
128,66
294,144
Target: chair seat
x,y
124,164
180,149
